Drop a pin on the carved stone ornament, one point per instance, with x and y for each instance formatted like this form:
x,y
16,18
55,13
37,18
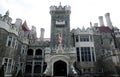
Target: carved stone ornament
x,y
59,51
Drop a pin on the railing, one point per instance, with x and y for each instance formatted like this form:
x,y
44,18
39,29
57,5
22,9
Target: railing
x,y
35,57
29,57
38,57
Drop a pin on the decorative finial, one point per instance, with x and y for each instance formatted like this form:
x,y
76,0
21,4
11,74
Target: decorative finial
x,y
60,3
83,28
90,23
7,12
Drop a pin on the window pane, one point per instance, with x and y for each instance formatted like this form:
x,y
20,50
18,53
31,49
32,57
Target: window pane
x,y
76,38
78,55
85,53
84,38
9,41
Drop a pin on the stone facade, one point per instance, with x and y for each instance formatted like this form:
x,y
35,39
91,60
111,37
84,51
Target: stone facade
x,y
93,51
60,23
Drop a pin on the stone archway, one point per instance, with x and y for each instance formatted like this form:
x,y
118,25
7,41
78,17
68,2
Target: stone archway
x,y
60,68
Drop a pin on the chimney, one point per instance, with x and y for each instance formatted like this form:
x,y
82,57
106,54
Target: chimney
x,y
42,34
95,24
108,20
18,23
33,29
101,20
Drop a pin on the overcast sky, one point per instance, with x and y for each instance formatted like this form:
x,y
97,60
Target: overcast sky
x,y
36,12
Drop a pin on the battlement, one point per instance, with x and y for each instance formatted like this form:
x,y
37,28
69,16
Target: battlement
x,y
60,9
82,31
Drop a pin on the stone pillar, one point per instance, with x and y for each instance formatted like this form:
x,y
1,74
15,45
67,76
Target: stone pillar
x,y
94,53
108,20
91,51
42,34
33,64
101,20
42,63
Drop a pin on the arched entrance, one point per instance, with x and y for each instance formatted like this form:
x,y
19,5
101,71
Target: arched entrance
x,y
60,68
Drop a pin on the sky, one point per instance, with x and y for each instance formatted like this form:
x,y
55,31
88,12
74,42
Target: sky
x,y
36,12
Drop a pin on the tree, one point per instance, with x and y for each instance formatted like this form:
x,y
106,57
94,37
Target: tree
x,y
2,71
20,74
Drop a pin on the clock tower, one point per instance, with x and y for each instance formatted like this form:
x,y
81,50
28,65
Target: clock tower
x,y
60,24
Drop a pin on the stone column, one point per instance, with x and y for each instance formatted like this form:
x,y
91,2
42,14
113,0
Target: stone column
x,y
91,51
42,63
33,64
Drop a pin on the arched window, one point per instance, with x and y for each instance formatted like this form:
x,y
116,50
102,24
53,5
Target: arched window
x,y
30,52
28,69
38,52
37,69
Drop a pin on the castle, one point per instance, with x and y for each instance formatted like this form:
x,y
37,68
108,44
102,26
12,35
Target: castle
x,y
78,52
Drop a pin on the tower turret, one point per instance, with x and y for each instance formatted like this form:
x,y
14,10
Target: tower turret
x,y
60,23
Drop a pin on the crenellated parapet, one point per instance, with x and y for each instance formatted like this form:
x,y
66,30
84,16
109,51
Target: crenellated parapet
x,y
6,18
82,31
6,23
60,9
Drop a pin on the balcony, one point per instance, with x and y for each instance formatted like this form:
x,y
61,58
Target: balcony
x,y
38,57
34,57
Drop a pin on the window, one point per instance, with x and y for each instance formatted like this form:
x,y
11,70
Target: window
x,y
9,41
37,69
85,54
101,40
30,52
21,64
23,50
7,64
28,69
103,51
78,54
100,70
38,52
84,38
76,38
